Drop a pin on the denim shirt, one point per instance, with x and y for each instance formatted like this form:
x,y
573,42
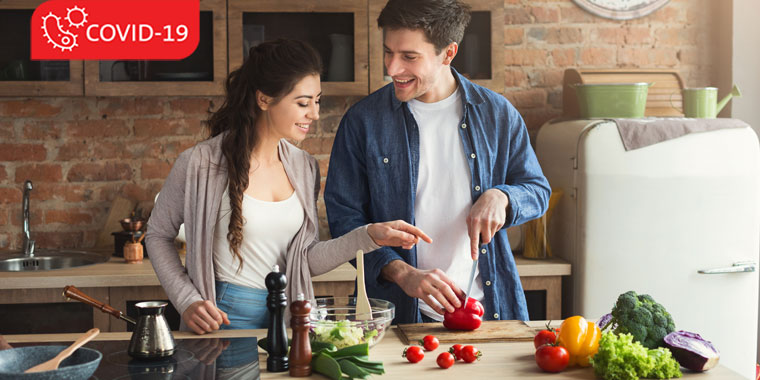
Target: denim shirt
x,y
373,173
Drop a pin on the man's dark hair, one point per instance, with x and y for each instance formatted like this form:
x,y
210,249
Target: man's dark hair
x,y
442,21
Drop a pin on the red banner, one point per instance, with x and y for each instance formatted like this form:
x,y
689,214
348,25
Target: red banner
x,y
115,29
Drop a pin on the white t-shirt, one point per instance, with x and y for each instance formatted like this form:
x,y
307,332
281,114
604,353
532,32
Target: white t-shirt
x,y
268,229
443,198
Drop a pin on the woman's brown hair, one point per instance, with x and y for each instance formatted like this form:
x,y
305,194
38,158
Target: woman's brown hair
x,y
274,68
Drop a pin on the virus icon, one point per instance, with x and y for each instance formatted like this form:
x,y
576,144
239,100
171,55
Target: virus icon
x,y
79,14
56,35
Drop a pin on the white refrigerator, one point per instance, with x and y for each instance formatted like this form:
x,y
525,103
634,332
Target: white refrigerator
x,y
651,219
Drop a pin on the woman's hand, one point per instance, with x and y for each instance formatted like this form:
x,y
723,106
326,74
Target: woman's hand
x,y
3,344
203,317
396,233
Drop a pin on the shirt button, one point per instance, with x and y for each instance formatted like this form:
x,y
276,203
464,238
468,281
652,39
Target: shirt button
x,y
464,126
488,283
477,188
472,155
496,316
483,251
385,160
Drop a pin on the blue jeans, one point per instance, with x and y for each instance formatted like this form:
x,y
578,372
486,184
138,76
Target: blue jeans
x,y
246,307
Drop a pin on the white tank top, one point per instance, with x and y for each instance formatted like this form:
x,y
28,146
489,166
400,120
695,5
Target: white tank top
x,y
268,229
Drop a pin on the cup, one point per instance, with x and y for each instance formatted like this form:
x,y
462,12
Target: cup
x,y
133,253
700,102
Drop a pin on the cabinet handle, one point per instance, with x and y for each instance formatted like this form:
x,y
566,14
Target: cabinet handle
x,y
737,267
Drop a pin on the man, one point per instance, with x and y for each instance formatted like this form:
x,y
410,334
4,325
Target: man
x,y
442,153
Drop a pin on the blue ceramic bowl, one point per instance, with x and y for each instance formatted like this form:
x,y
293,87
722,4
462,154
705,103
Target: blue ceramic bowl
x,y
79,366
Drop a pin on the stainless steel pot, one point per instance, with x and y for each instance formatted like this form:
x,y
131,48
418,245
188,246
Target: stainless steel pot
x,y
152,337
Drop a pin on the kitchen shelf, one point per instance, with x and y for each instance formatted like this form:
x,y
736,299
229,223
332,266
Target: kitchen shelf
x,y
201,74
345,63
19,75
481,53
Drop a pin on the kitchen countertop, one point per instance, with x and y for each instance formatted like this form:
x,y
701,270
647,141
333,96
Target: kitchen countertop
x,y
513,360
116,272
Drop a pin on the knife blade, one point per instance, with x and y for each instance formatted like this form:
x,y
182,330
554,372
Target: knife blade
x,y
472,279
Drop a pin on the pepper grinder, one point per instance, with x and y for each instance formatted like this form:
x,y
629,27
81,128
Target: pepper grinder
x,y
300,349
277,337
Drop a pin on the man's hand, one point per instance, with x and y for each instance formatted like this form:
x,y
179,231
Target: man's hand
x,y
425,285
396,233
203,317
487,216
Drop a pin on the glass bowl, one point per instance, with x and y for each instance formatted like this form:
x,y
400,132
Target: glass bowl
x,y
333,320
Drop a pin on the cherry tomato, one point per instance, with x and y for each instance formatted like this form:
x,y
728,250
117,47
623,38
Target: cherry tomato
x,y
552,358
456,350
470,354
429,342
445,360
546,336
414,354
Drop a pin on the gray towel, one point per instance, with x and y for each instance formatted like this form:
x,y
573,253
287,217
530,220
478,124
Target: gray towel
x,y
638,133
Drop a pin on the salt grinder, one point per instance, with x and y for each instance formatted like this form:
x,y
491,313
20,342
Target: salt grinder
x,y
300,349
277,337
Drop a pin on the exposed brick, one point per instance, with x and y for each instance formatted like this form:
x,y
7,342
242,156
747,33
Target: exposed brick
x,y
544,15
515,77
3,173
70,216
28,108
97,128
519,15
3,217
6,130
525,57
563,57
597,56
41,130
164,127
513,36
119,106
574,14
670,37
35,214
317,145
22,152
324,165
563,35
144,192
636,57
608,35
527,98
154,169
552,77
74,150
191,106
109,149
10,195
638,36
39,172
59,239
108,171
665,57
671,13
328,125
62,191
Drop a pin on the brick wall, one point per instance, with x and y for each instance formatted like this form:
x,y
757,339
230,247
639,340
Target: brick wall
x,y
82,152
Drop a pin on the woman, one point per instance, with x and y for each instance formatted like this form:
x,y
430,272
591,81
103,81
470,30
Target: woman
x,y
247,198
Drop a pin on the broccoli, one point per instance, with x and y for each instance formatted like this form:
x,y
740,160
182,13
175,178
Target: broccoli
x,y
642,317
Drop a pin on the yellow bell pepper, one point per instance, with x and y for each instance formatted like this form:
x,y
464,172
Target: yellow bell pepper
x,y
580,338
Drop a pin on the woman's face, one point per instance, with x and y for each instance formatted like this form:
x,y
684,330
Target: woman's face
x,y
292,116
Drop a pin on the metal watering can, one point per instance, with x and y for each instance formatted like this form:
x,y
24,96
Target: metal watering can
x,y
702,102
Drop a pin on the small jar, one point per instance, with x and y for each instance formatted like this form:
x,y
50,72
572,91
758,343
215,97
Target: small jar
x,y
133,253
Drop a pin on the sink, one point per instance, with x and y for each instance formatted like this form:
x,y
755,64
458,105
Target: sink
x,y
47,260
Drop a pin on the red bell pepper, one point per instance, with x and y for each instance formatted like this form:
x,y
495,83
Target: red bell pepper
x,y
467,317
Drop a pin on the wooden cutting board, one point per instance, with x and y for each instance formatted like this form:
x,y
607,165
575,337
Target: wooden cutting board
x,y
489,331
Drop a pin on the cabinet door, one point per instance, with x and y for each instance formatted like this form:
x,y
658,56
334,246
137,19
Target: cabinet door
x,y
481,53
19,75
202,73
336,29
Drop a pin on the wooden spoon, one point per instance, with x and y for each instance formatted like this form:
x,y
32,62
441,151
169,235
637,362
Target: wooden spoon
x,y
56,361
363,309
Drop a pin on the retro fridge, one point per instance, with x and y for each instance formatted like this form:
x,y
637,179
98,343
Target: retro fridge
x,y
677,220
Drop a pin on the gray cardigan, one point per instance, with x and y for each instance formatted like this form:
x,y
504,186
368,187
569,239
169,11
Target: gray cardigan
x,y
192,195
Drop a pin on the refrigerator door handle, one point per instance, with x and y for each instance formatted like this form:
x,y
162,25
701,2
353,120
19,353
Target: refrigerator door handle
x,y
737,267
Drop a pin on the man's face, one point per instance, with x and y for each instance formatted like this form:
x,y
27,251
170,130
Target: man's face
x,y
412,63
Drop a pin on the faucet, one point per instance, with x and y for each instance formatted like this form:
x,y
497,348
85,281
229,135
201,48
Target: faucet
x,y
28,242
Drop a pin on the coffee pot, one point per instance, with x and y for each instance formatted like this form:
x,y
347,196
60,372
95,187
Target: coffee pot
x,y
152,337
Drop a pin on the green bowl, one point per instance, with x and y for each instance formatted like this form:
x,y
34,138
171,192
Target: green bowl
x,y
612,100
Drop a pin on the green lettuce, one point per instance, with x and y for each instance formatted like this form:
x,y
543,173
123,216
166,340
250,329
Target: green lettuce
x,y
620,358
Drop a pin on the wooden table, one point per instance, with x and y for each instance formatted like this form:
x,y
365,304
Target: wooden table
x,y
500,360
116,283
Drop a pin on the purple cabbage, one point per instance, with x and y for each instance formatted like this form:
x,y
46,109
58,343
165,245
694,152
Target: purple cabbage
x,y
692,351
603,321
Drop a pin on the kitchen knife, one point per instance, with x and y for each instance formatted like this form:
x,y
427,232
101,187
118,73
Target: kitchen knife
x,y
472,279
